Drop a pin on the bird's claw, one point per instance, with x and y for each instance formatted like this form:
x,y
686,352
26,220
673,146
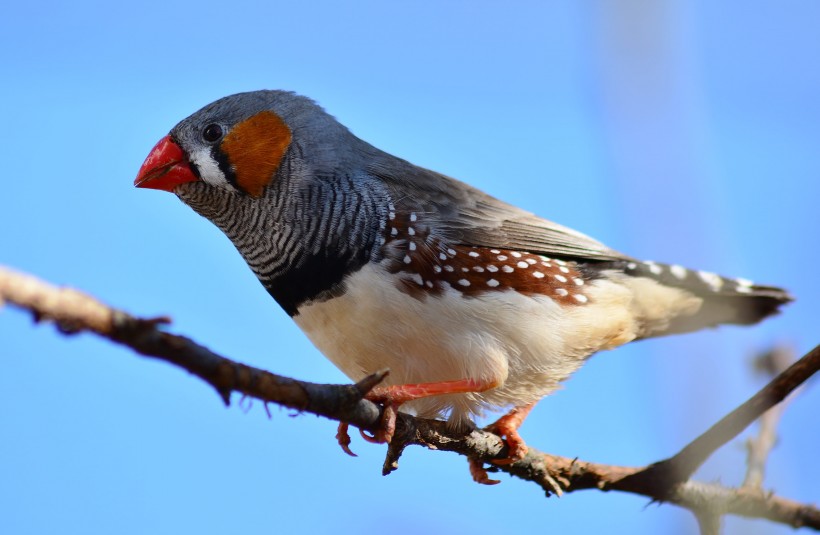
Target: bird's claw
x,y
343,437
479,473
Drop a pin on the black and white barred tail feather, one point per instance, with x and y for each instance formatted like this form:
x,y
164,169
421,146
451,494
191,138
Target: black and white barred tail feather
x,y
726,300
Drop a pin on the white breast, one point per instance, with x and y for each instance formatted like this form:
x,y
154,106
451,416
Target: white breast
x,y
526,344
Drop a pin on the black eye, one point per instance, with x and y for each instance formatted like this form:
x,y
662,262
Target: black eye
x,y
212,132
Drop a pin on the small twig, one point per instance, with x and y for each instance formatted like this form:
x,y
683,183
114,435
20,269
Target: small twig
x,y
708,522
667,473
770,363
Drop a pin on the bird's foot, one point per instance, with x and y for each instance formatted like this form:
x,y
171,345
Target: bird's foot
x,y
343,438
392,397
479,473
507,428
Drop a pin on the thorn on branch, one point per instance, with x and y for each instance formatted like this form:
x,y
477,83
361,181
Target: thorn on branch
x,y
370,382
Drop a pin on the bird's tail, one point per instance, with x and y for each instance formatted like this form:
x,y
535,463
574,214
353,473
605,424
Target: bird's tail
x,y
725,300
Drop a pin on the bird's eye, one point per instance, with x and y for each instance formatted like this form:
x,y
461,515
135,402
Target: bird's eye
x,y
212,132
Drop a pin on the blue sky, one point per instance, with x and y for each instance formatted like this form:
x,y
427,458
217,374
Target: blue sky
x,y
684,132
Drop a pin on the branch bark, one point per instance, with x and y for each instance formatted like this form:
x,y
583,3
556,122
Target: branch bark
x,y
666,480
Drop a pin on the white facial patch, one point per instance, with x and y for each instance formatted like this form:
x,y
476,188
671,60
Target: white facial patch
x,y
209,170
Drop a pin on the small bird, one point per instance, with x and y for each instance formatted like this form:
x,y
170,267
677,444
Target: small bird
x,y
473,304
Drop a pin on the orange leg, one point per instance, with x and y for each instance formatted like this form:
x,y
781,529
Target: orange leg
x,y
343,438
394,396
479,473
507,428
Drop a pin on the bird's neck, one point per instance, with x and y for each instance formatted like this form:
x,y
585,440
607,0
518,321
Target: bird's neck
x,y
302,238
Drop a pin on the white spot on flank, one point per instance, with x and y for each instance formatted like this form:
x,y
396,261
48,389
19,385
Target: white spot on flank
x,y
448,269
491,268
415,277
578,282
714,281
451,252
437,269
678,271
507,269
546,264
464,282
538,275
495,251
502,257
429,284
478,269
531,261
492,283
523,265
474,254
412,246
394,231
560,262
516,254
413,216
580,298
411,231
560,278
465,270
564,269
654,268
442,256
392,215
562,292
407,259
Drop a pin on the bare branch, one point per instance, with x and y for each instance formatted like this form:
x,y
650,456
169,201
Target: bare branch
x,y
664,481
770,363
74,311
669,472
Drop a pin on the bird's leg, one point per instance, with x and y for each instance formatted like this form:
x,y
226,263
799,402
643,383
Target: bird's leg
x,y
391,397
507,428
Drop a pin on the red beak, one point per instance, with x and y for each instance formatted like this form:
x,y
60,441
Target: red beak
x,y
165,167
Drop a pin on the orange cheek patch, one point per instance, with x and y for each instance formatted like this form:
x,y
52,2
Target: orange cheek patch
x,y
255,148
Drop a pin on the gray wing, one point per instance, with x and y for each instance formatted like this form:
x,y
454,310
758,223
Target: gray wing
x,y
468,216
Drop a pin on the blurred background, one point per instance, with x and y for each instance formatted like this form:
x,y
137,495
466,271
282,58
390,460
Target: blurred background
x,y
684,132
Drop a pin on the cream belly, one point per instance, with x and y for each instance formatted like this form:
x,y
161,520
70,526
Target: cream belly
x,y
527,345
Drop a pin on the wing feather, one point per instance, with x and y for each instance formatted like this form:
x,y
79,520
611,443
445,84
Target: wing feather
x,y
468,216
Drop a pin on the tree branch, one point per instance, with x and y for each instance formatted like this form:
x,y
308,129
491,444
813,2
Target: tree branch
x,y
771,363
74,311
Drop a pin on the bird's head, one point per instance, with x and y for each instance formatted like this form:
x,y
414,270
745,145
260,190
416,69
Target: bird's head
x,y
238,143
284,181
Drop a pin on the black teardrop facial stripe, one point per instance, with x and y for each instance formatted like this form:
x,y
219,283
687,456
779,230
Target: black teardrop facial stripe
x,y
221,160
